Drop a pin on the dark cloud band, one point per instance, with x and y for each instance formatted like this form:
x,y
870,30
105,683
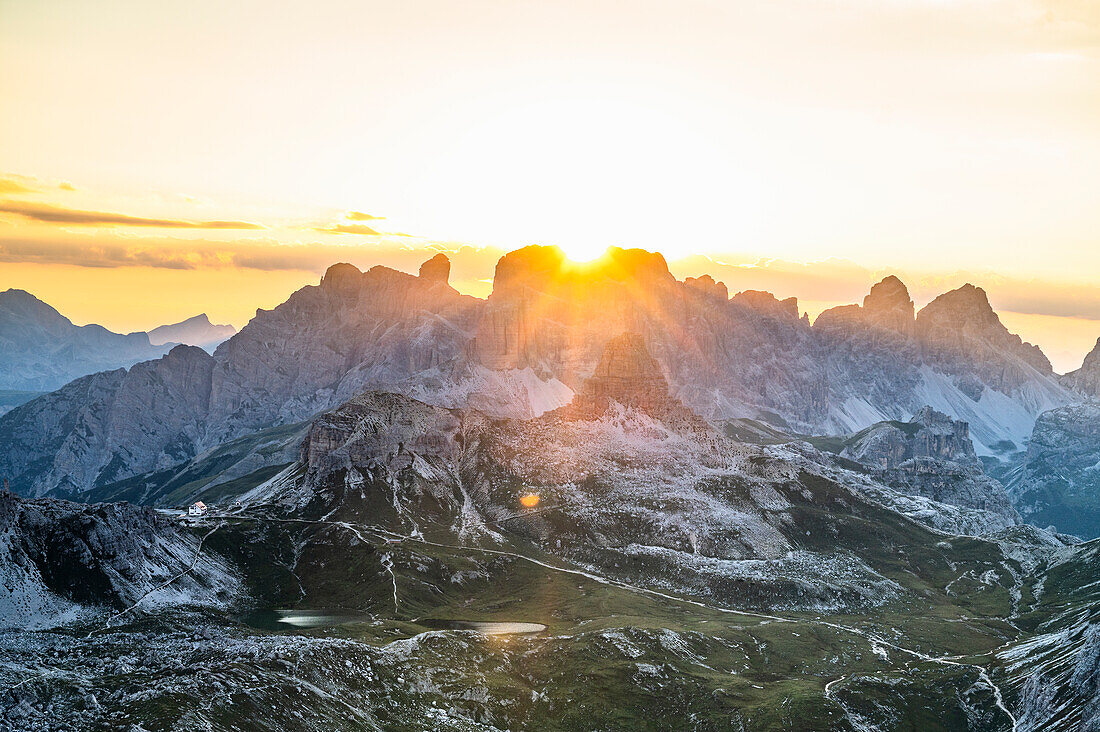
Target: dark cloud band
x,y
56,215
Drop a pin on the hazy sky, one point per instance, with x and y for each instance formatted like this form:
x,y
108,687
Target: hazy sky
x,y
162,158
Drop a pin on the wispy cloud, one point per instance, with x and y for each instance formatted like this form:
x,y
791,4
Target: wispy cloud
x,y
348,229
108,251
360,216
44,213
11,185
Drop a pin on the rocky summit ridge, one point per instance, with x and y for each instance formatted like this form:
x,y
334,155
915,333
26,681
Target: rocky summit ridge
x,y
528,349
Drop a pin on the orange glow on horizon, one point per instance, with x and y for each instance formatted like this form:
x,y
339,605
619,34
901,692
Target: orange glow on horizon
x,y
530,500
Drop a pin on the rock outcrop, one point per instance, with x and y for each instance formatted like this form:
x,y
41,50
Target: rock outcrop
x,y
41,350
929,434
931,455
436,269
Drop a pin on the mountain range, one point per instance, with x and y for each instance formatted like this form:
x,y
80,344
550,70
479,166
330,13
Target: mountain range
x,y
527,349
43,350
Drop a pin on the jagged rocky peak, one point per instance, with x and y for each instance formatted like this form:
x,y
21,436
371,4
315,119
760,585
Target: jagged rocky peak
x,y
888,304
958,322
341,277
765,302
1086,380
195,331
706,285
964,307
436,269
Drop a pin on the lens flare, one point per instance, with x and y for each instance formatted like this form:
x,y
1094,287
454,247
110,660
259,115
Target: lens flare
x,y
530,500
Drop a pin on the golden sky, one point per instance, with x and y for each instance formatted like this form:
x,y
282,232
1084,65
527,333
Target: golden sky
x,y
162,159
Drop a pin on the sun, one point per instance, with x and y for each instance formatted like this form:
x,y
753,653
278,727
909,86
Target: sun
x,y
581,252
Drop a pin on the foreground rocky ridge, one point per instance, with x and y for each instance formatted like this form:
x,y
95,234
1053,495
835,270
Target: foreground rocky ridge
x,y
527,349
61,561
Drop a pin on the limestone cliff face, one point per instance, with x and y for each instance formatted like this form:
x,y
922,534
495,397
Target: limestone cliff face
x,y
721,357
626,373
555,316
